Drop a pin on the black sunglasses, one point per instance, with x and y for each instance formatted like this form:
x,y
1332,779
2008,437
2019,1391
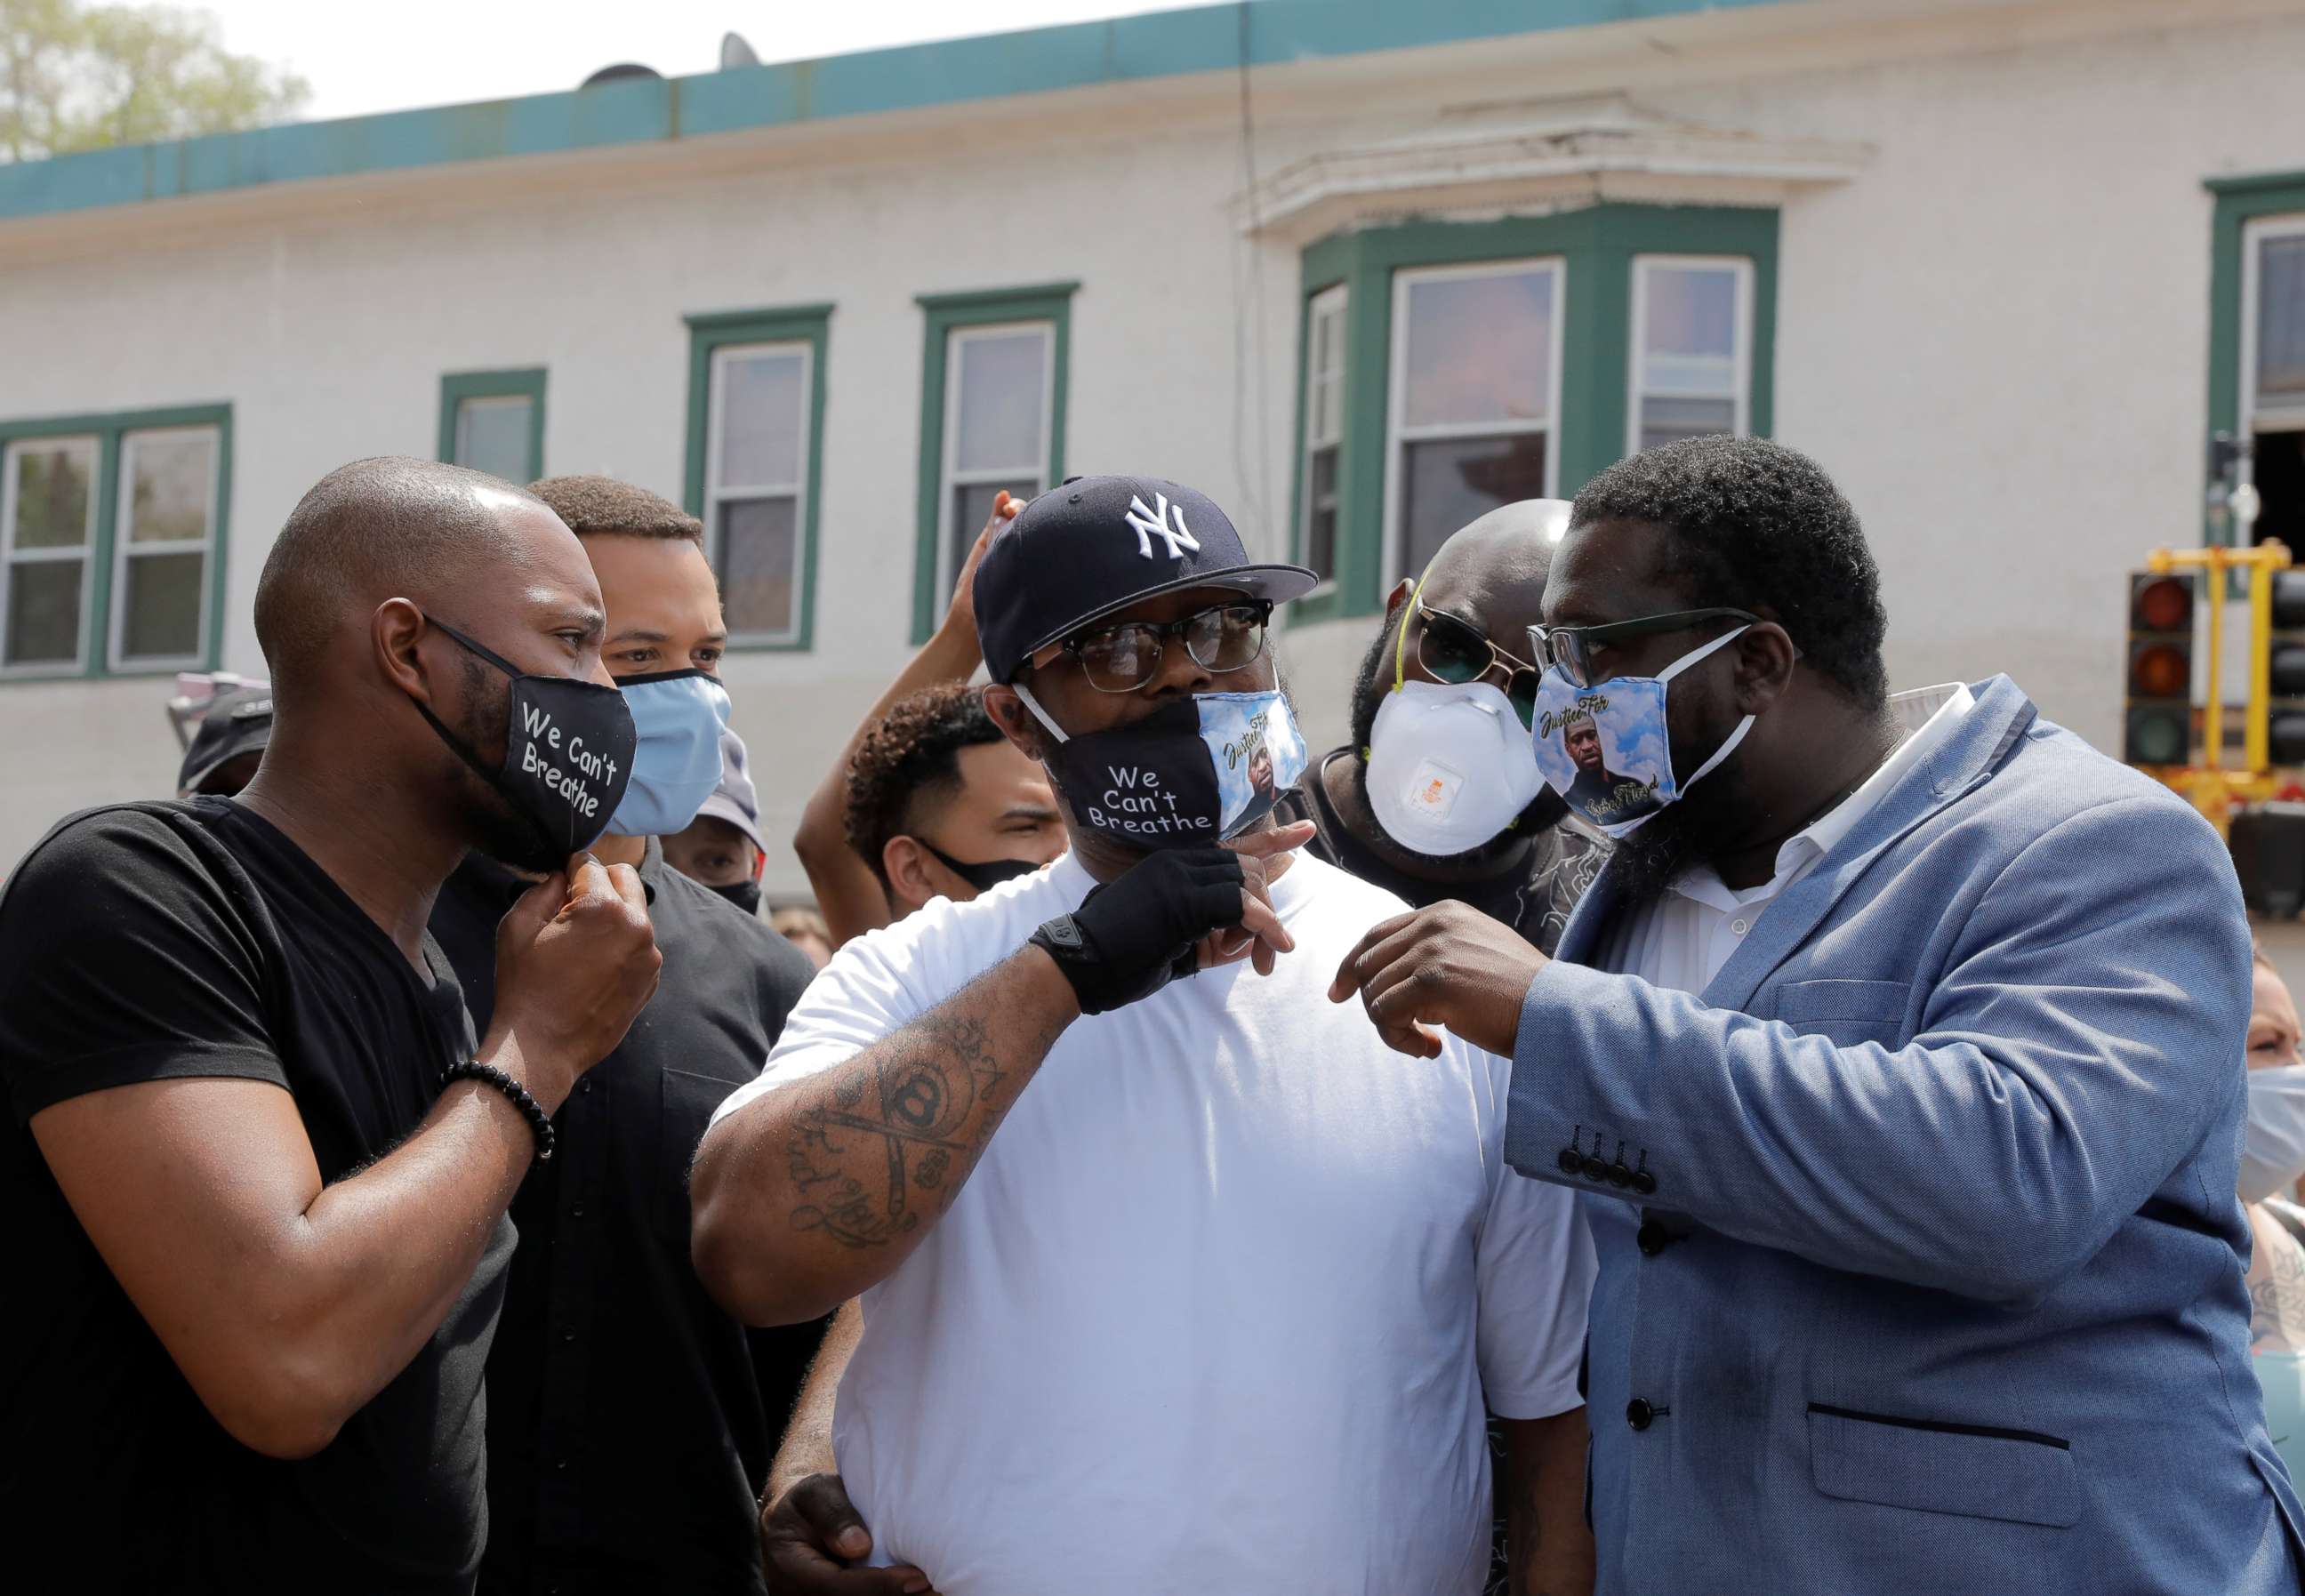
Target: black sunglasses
x,y
1570,648
1456,651
1222,637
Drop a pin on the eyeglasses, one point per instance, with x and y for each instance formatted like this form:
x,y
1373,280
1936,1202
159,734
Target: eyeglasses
x,y
1222,638
1571,648
1456,651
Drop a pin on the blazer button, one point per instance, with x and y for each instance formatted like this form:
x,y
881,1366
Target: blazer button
x,y
1593,1169
1571,1160
1652,1238
1644,1183
1638,1412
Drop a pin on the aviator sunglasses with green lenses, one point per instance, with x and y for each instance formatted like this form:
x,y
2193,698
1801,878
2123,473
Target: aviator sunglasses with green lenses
x,y
1455,651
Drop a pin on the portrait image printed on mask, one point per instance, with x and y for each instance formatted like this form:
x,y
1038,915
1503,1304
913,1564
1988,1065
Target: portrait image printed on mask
x,y
1607,748
567,760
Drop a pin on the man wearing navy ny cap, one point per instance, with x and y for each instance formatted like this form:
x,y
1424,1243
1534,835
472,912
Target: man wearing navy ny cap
x,y
1170,1281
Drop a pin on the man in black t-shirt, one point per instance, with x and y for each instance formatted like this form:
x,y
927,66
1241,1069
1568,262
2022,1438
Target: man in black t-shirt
x,y
258,1225
630,1418
1470,616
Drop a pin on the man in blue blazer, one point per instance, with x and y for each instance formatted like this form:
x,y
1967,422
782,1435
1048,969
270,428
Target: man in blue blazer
x,y
1901,1058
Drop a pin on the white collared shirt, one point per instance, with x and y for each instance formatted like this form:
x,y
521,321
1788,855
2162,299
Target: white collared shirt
x,y
1680,941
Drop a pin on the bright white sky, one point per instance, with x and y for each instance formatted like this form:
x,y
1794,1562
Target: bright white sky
x,y
360,55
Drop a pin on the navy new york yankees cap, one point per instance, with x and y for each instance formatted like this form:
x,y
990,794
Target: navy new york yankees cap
x,y
1096,545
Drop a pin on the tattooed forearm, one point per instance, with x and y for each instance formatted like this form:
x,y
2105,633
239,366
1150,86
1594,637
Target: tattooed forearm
x,y
901,1125
817,1191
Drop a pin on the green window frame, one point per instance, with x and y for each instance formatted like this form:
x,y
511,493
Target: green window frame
x,y
945,314
458,389
2239,202
1595,251
111,548
799,329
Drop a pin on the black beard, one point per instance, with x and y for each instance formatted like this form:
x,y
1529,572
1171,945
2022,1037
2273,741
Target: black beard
x,y
1645,861
492,826
1543,812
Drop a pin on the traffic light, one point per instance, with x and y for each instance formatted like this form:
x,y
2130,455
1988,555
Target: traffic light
x,y
2157,723
2285,670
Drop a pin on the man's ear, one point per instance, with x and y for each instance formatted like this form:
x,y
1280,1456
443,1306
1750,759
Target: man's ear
x,y
1765,655
906,865
1400,593
1014,720
394,629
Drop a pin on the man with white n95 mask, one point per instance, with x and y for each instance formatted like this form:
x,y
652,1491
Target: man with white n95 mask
x,y
1138,1225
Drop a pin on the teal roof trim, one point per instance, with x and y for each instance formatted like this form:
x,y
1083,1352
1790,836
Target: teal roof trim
x,y
909,77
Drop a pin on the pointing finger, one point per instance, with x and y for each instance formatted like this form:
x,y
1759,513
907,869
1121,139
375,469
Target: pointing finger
x,y
1277,839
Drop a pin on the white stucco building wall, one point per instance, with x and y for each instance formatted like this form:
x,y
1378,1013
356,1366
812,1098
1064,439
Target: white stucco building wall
x,y
1992,318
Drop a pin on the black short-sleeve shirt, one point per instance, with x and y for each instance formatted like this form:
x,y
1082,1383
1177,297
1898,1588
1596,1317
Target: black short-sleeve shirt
x,y
631,1419
151,941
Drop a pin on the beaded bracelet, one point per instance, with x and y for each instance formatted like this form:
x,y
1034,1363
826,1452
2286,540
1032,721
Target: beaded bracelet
x,y
540,1123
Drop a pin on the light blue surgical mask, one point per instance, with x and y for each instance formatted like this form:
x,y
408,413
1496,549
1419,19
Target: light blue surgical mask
x,y
676,763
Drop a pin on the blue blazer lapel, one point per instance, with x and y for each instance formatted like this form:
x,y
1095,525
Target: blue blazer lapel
x,y
2001,715
1588,922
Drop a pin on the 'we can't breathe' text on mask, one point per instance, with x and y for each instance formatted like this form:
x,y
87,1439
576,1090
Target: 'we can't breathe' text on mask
x,y
1606,749
568,756
1194,771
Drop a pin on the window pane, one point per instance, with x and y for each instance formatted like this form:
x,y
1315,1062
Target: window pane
x,y
2281,321
1001,378
492,435
169,495
43,612
971,507
1688,332
1448,483
1480,349
161,616
1665,419
52,492
757,564
761,417
1321,513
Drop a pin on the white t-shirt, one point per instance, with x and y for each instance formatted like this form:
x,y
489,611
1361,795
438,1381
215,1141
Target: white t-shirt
x,y
1216,1310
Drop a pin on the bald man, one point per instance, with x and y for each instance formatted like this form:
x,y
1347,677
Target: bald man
x,y
257,1175
1499,841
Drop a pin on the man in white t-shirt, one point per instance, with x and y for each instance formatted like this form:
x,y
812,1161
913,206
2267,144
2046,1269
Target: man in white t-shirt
x,y
1219,1306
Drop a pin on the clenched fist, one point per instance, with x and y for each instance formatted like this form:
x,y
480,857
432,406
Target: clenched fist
x,y
577,961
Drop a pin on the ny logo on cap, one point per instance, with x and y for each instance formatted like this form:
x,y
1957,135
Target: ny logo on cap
x,y
1154,524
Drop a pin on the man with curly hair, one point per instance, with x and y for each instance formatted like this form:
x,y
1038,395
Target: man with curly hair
x,y
942,805
1900,1059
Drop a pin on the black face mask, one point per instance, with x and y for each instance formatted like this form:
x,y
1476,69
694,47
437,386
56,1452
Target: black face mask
x,y
984,877
568,756
745,895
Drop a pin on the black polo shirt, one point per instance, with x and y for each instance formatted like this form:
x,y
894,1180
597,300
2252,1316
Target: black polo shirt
x,y
1534,895
168,940
631,1419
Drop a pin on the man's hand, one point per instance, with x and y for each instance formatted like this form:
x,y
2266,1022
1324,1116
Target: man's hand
x,y
577,961
960,615
1447,966
811,1535
1162,917
1264,855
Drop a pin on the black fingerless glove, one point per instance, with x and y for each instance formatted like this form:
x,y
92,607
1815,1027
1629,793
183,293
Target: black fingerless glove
x,y
1132,937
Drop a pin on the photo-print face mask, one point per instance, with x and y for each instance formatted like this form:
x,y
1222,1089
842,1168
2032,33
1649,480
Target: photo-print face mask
x,y
1194,771
1605,747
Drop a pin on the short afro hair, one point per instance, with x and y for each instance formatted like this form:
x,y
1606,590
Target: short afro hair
x,y
1756,526
602,505
907,765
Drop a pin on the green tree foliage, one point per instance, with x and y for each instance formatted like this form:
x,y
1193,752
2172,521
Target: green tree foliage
x,y
76,76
